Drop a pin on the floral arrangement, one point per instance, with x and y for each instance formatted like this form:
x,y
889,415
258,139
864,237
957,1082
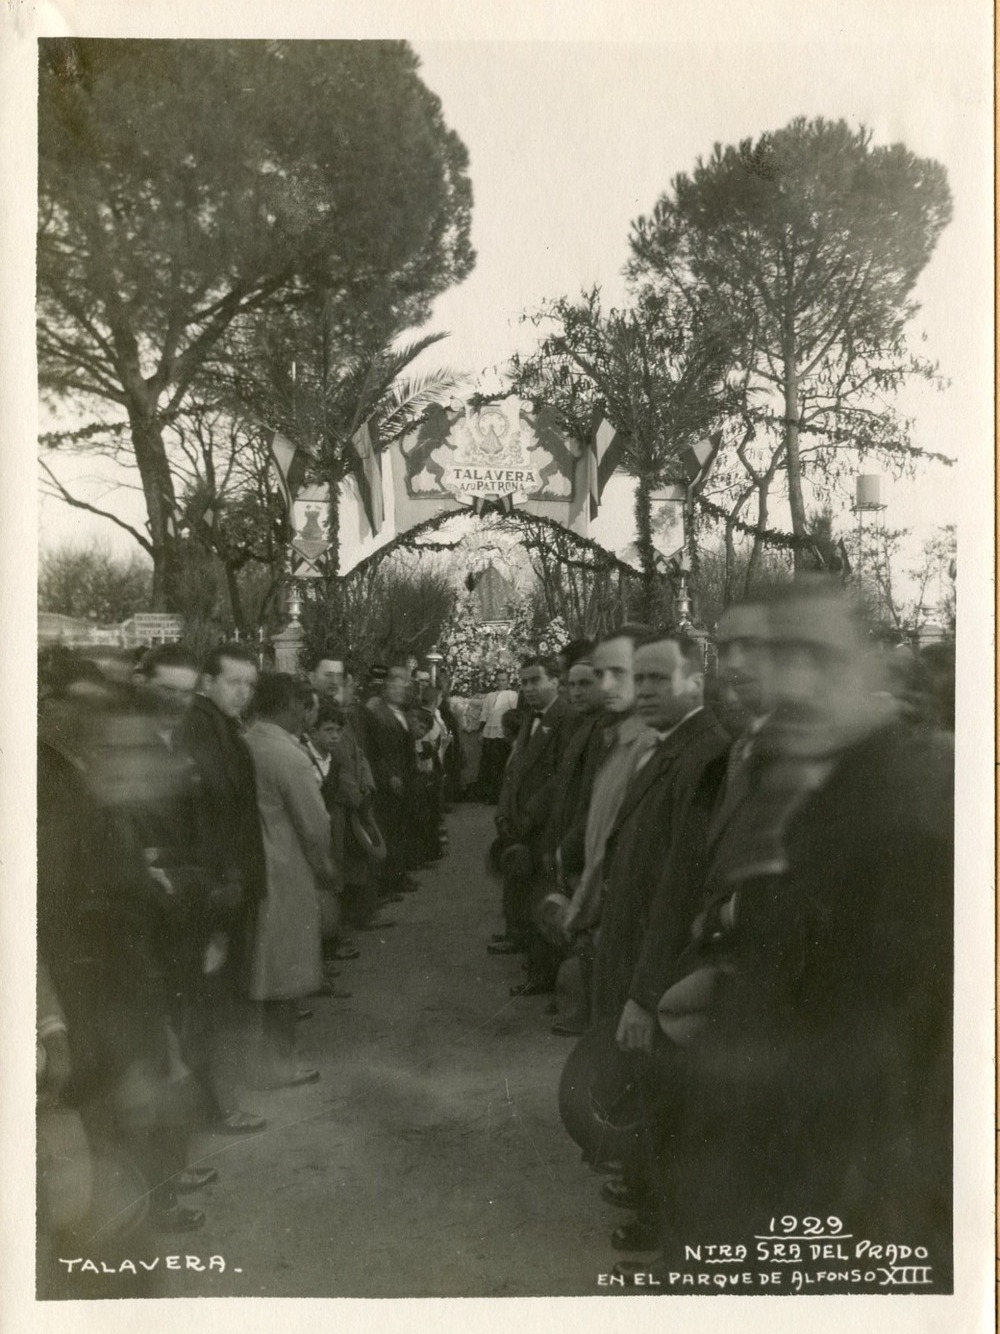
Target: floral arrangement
x,y
475,651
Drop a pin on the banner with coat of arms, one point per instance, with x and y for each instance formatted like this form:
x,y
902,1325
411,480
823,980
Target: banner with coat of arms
x,y
495,457
310,532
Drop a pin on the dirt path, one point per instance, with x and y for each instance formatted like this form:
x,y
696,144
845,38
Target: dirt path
x,y
430,1160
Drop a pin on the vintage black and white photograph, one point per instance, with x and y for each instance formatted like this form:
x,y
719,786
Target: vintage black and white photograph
x,y
514,503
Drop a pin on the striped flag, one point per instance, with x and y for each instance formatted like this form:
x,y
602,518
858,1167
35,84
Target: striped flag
x,y
289,466
606,452
368,471
696,460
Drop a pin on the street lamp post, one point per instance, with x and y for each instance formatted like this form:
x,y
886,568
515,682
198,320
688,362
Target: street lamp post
x,y
434,658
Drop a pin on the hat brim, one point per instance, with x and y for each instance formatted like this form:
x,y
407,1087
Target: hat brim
x,y
368,837
599,1098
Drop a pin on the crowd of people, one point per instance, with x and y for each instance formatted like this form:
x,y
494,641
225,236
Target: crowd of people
x,y
734,887
209,835
738,892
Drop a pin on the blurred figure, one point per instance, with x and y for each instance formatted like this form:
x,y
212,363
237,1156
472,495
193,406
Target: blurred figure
x,y
287,964
740,643
102,944
198,913
822,1067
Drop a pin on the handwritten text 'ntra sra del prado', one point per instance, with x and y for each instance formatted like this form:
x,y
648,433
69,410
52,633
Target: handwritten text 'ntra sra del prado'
x,y
214,1263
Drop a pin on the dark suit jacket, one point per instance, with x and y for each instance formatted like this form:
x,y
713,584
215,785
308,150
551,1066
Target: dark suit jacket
x,y
567,824
529,779
390,748
825,1070
651,812
678,894
229,792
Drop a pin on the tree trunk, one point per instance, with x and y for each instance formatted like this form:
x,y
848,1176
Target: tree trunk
x,y
158,489
729,572
235,598
757,549
794,465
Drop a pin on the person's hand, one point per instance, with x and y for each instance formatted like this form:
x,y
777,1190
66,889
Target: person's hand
x,y
160,877
396,784
636,1028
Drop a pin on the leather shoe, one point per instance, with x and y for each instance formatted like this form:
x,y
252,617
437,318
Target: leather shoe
x,y
567,1031
176,1219
529,989
616,1192
239,1123
347,952
194,1178
505,947
607,1168
638,1234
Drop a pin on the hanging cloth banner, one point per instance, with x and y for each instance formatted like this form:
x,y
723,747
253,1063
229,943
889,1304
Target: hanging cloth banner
x,y
498,457
310,532
667,520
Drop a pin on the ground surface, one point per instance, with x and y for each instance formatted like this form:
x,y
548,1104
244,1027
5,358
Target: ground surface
x,y
430,1160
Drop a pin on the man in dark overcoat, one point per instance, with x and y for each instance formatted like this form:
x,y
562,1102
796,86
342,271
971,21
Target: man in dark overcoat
x,y
525,804
392,755
668,678
211,733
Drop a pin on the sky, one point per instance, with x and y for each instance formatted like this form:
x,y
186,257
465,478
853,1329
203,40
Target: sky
x,y
571,135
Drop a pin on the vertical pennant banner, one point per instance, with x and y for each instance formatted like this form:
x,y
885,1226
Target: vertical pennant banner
x,y
310,519
368,471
